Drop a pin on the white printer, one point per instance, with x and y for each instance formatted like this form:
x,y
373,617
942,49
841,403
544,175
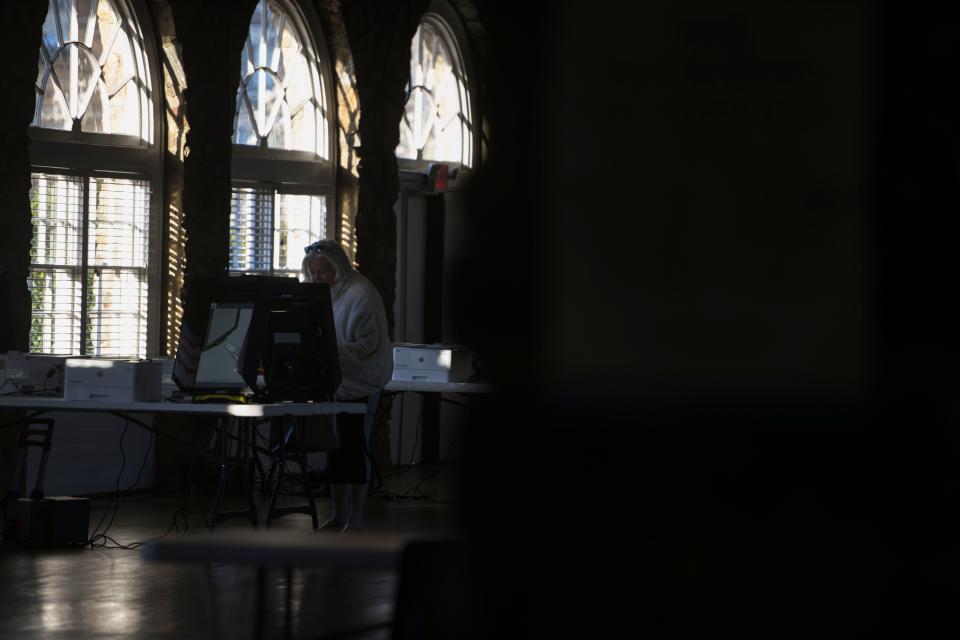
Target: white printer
x,y
32,373
430,363
113,380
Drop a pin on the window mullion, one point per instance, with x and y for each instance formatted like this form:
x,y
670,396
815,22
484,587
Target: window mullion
x,y
84,249
56,14
274,216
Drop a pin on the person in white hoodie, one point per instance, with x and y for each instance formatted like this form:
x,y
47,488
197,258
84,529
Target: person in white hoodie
x,y
366,365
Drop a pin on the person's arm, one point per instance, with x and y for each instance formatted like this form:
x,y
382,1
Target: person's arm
x,y
365,336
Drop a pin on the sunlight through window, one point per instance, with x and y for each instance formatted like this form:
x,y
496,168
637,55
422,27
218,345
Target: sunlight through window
x,y
91,230
437,124
92,75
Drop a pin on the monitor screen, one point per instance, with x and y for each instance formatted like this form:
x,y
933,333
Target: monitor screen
x,y
224,346
272,337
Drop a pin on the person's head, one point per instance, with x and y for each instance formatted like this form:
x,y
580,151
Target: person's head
x,y
318,268
325,261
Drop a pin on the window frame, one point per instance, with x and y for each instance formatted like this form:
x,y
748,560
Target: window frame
x,y
85,154
291,171
446,19
277,189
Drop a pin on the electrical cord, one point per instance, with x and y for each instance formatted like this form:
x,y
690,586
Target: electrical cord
x,y
100,539
29,389
114,501
26,390
15,386
416,437
174,525
43,388
415,492
413,453
377,490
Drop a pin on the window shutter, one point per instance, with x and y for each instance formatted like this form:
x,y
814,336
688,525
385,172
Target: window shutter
x,y
117,250
251,230
89,298
301,221
56,207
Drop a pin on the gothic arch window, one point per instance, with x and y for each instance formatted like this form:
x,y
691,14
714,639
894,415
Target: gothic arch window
x,y
93,73
282,160
438,122
94,205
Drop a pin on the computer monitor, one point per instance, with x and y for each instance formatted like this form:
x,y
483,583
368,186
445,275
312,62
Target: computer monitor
x,y
299,357
224,347
271,338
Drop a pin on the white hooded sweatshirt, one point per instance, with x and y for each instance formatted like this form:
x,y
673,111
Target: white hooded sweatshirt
x,y
366,353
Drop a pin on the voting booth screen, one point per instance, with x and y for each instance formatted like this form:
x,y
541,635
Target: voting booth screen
x,y
270,337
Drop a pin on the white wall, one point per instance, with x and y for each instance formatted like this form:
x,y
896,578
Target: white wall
x,y
406,436
408,318
85,455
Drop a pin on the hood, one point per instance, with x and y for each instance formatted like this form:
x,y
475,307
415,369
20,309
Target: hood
x,y
337,257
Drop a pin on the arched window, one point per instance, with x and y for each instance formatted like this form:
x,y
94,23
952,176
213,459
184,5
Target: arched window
x,y
438,120
282,169
95,244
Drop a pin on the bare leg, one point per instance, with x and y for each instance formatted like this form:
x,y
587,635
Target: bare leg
x,y
358,496
340,514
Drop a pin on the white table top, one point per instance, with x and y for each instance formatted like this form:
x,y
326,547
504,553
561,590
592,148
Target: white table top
x,y
47,403
285,548
439,387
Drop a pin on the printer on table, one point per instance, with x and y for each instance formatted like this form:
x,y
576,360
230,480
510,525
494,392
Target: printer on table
x,y
431,363
113,380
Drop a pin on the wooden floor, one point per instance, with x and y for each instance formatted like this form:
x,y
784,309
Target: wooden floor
x,y
114,592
